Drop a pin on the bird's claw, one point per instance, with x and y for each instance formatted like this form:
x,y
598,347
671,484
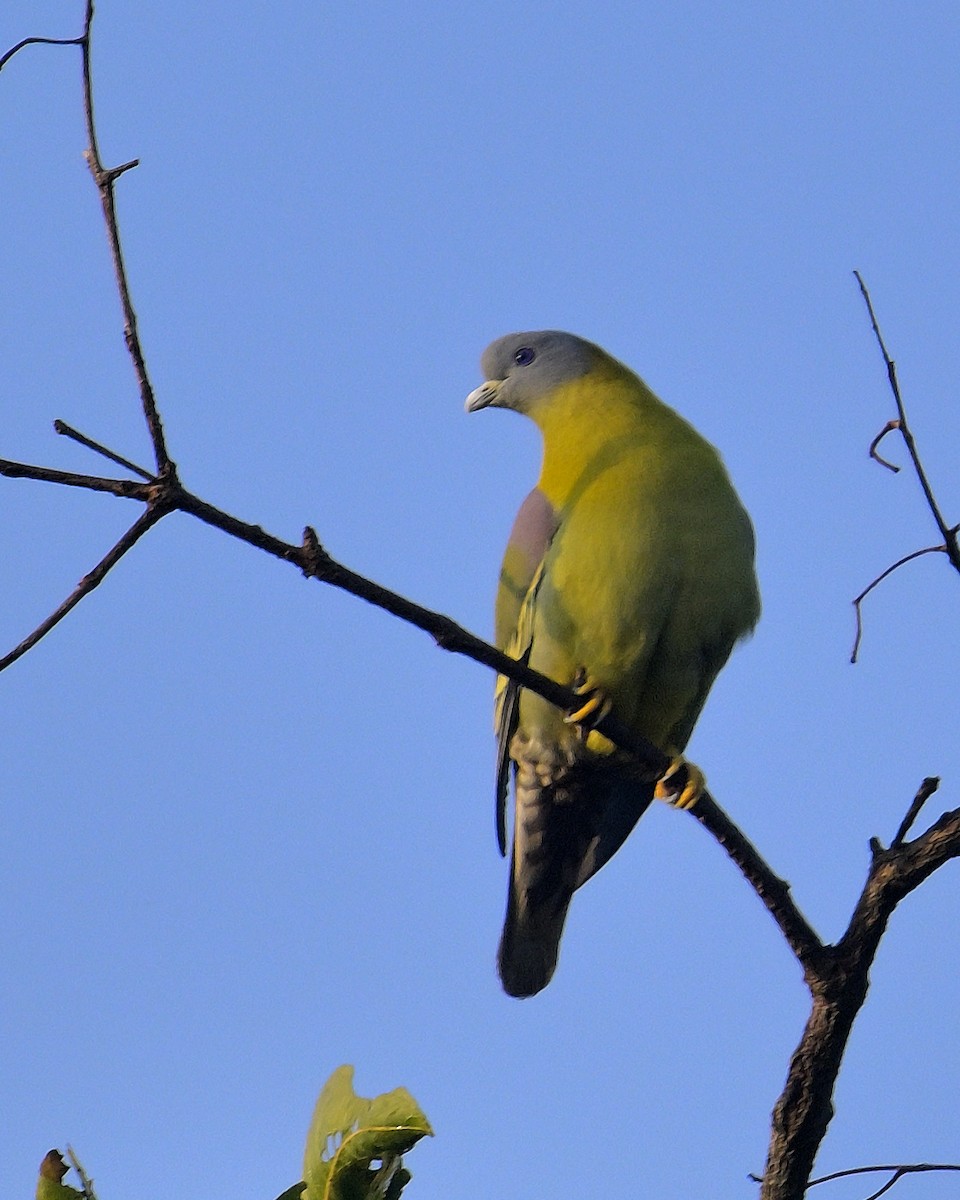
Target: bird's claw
x,y
596,704
682,784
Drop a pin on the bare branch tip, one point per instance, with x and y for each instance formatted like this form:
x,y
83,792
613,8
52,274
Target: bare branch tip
x,y
40,41
855,652
66,430
901,562
924,792
899,1171
888,428
113,174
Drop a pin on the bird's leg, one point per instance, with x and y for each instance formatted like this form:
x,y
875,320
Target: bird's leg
x,y
682,783
596,704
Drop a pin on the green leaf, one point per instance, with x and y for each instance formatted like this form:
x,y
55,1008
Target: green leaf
x,y
354,1145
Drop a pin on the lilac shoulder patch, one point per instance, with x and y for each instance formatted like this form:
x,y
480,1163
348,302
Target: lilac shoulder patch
x,y
534,527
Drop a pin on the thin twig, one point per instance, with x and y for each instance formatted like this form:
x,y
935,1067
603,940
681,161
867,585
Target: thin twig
x,y
70,432
105,180
882,1191
858,601
126,488
900,1170
924,792
39,41
890,426
146,521
949,536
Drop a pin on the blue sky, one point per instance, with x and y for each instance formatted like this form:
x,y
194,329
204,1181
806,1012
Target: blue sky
x,y
248,822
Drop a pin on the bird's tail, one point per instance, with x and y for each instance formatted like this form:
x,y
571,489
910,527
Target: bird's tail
x,y
564,832
530,943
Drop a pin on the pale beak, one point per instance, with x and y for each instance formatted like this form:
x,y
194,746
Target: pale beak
x,y
484,396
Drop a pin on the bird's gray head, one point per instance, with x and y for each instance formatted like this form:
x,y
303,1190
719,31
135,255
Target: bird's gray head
x,y
522,367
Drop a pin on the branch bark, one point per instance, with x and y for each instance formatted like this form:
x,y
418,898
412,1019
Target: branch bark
x,y
838,984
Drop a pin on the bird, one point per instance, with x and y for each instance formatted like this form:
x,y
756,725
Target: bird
x,y
629,577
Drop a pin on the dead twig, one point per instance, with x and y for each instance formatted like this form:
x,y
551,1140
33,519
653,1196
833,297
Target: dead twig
x,y
888,428
949,533
105,180
92,579
858,601
899,1171
39,41
68,431
924,792
127,488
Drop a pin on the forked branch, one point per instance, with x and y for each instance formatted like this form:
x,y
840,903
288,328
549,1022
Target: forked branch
x,y
948,533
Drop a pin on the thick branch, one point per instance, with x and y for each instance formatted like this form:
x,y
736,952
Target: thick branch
x,y
839,987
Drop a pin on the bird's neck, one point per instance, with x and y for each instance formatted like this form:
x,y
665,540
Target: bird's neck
x,y
588,418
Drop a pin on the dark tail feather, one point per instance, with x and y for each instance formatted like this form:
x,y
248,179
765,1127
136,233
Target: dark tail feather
x,y
530,943
565,834
622,808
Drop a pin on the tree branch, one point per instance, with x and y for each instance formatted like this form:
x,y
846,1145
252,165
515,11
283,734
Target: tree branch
x,y
92,579
38,41
838,987
901,562
68,431
96,483
899,1171
105,180
949,533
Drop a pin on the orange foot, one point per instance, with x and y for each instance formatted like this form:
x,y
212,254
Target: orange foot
x,y
596,703
692,783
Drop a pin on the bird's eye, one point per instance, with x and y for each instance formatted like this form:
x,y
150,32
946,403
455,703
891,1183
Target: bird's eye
x,y
524,356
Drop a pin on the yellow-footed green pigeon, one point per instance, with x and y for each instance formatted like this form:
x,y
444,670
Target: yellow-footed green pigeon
x,y
628,576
